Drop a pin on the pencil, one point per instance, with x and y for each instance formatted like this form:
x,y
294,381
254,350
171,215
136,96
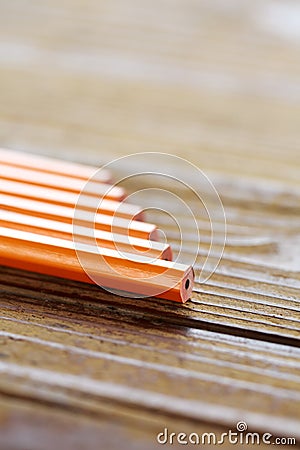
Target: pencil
x,y
31,179
43,196
58,257
52,165
112,224
53,228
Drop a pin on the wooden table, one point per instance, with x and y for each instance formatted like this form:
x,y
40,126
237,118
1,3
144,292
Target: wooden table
x,y
218,84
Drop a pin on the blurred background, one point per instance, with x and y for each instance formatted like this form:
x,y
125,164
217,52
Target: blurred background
x,y
215,81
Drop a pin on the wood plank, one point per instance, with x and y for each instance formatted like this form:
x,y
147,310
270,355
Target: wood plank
x,y
81,350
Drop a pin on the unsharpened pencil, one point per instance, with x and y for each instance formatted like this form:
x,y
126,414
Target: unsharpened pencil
x,y
16,202
112,224
53,165
53,228
16,178
58,257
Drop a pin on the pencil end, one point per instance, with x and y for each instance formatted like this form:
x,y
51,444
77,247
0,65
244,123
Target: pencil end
x,y
187,285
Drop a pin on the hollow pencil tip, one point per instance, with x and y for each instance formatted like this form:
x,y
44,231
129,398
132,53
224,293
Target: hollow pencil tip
x,y
187,285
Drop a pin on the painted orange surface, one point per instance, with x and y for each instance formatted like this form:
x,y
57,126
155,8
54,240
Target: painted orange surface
x,y
61,202
58,257
52,165
20,179
54,228
115,224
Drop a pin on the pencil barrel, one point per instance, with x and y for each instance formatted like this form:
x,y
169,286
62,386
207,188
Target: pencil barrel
x,y
106,267
29,180
53,165
44,200
120,242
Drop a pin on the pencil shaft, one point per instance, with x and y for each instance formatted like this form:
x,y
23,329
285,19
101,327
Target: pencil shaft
x,y
31,179
54,201
53,228
112,224
52,165
58,257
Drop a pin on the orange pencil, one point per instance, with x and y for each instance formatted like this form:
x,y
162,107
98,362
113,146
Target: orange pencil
x,y
15,202
31,179
112,224
122,243
52,165
58,257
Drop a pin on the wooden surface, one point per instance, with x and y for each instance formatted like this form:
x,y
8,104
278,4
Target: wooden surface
x,y
216,83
